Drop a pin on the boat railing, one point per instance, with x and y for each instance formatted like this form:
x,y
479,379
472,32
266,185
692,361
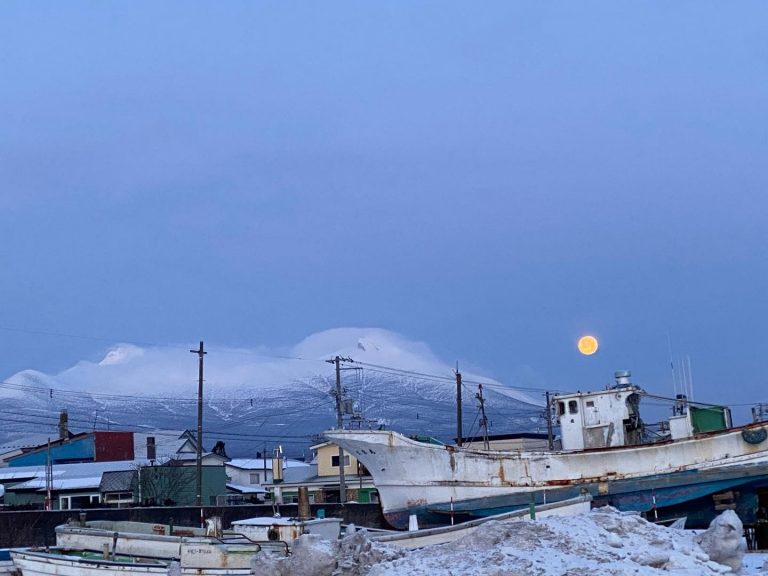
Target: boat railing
x,y
238,538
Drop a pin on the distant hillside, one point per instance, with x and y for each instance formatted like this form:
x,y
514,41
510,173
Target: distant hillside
x,y
255,400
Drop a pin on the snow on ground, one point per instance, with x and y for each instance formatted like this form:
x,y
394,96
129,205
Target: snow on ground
x,y
602,542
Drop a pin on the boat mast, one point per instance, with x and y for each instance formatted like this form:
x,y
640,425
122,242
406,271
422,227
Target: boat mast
x,y
550,438
483,419
459,431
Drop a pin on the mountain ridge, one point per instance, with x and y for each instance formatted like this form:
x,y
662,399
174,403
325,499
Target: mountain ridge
x,y
252,399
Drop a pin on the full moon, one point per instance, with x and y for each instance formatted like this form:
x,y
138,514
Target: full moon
x,y
587,345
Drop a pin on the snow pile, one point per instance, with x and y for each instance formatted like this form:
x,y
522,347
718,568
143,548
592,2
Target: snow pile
x,y
357,554
313,556
722,541
603,542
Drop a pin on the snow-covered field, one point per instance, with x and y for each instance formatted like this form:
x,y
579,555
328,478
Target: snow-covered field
x,y
602,542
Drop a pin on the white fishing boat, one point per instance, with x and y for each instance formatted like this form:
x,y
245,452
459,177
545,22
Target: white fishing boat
x,y
602,452
412,539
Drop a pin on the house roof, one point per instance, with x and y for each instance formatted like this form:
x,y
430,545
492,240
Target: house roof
x,y
32,441
246,489
250,463
44,446
23,473
351,481
258,463
60,484
192,457
65,476
117,481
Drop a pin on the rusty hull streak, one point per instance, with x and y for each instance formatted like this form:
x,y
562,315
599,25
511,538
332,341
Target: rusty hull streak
x,y
502,477
453,483
573,481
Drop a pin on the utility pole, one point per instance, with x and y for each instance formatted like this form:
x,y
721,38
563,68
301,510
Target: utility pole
x,y
459,432
48,478
199,480
340,425
483,419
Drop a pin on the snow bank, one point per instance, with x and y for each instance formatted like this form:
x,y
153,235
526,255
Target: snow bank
x,y
722,540
602,542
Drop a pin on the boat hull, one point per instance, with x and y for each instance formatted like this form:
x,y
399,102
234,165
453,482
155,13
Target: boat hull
x,y
37,563
6,564
59,563
437,481
138,539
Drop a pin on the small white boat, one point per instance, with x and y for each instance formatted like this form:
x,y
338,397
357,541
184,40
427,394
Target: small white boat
x,y
6,564
105,548
287,529
191,546
32,562
444,534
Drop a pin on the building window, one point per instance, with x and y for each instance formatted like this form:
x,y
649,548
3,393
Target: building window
x,y
78,501
335,461
255,478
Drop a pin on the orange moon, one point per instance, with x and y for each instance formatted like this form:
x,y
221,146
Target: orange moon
x,y
587,345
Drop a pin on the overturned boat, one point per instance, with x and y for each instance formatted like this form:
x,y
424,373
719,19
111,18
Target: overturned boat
x,y
602,452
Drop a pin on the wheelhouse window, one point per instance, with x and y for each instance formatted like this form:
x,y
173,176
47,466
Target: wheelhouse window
x,y
573,407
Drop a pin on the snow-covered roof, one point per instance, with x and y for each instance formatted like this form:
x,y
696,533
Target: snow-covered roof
x,y
65,476
21,473
258,463
250,463
117,480
191,457
61,484
247,488
31,441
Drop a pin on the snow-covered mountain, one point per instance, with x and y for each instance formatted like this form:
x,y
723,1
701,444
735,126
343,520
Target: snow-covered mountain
x,y
256,399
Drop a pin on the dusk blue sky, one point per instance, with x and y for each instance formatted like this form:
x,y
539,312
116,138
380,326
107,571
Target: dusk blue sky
x,y
492,179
